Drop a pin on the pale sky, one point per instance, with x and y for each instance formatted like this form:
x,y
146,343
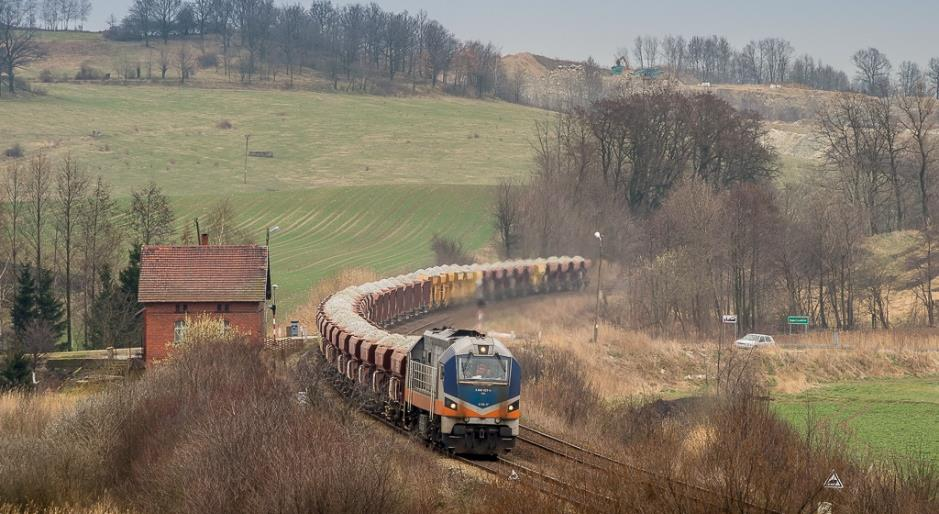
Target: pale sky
x,y
575,29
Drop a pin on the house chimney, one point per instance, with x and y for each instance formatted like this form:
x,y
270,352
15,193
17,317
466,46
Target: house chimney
x,y
204,239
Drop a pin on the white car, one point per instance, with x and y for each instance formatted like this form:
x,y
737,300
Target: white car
x,y
754,341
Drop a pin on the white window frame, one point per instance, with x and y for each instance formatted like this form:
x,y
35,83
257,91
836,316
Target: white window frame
x,y
179,330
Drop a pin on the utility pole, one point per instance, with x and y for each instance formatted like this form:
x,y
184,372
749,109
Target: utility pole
x,y
247,138
273,287
596,314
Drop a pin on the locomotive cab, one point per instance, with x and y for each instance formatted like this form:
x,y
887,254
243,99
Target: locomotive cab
x,y
465,388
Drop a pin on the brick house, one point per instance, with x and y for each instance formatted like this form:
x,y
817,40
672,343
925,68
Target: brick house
x,y
231,283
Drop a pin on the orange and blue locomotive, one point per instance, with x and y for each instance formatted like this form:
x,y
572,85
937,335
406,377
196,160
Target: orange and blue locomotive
x,y
462,391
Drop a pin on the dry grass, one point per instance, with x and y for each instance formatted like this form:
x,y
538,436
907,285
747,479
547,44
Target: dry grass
x,y
732,445
212,430
633,363
343,279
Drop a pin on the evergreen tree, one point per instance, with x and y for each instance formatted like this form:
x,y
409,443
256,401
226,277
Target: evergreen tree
x,y
15,371
112,314
23,311
130,276
48,308
129,283
99,324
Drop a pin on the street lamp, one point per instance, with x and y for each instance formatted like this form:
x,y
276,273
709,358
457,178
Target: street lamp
x,y
596,317
270,230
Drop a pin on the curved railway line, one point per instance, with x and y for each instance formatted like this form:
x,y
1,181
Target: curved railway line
x,y
366,361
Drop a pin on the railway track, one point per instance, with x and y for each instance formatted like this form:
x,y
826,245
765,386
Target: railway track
x,y
502,468
599,463
577,480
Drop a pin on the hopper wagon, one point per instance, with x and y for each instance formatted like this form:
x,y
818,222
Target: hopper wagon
x,y
459,389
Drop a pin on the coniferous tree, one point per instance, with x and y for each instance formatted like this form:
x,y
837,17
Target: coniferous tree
x,y
15,371
130,276
23,311
129,283
49,309
112,314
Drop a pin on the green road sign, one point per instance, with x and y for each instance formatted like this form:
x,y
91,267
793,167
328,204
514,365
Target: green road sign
x,y
798,320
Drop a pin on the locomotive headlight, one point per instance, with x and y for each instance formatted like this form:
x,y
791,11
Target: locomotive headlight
x,y
453,405
514,406
511,408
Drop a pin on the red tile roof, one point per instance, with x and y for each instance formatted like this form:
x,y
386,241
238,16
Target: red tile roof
x,y
203,274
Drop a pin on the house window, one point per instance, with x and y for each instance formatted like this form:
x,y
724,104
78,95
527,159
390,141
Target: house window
x,y
226,326
179,330
181,308
221,307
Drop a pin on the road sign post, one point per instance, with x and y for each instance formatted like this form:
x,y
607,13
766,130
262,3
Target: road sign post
x,y
834,482
798,321
726,319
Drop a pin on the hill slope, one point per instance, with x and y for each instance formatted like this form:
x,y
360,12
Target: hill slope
x,y
172,135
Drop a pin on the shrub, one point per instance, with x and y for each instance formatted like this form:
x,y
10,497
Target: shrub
x,y
224,124
208,61
449,251
210,430
46,76
88,72
15,151
206,329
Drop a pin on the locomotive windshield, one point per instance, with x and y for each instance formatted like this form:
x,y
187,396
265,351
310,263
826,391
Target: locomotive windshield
x,y
483,368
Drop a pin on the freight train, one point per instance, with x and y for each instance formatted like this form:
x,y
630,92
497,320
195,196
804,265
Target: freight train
x,y
459,389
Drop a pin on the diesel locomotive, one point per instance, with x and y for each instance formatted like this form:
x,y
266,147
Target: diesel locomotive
x,y
460,389
463,392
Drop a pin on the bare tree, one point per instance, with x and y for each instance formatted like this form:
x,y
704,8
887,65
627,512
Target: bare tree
x,y
674,48
888,124
873,71
18,45
441,46
142,12
151,217
165,12
651,50
908,76
933,74
222,224
14,189
164,61
38,340
100,241
639,51
854,146
71,190
918,119
292,30
185,63
84,11
36,196
49,12
508,216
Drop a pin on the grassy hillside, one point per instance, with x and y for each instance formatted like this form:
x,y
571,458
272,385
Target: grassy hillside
x,y
355,180
888,416
172,135
386,228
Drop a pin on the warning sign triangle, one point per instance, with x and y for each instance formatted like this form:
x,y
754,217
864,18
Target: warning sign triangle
x,y
834,482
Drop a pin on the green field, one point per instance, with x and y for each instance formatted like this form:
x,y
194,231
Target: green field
x,y
355,180
889,416
385,228
169,134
